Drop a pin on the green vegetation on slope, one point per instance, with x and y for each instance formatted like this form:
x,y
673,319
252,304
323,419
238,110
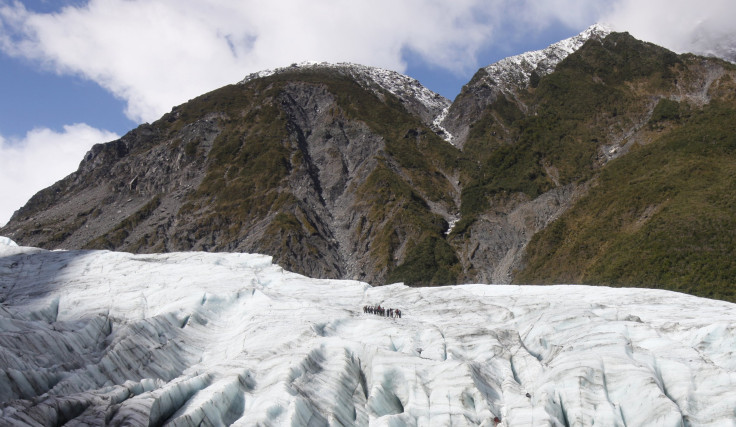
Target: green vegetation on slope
x,y
662,216
572,113
431,262
398,216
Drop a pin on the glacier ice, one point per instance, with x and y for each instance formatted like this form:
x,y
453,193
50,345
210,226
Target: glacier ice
x,y
184,339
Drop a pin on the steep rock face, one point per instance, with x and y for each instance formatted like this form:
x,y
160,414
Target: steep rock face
x,y
417,99
139,181
493,246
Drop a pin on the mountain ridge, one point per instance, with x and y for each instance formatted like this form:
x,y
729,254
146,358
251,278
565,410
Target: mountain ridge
x,y
345,171
510,75
407,89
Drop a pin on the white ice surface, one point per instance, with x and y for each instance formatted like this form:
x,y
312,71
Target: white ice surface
x,y
193,338
437,124
5,241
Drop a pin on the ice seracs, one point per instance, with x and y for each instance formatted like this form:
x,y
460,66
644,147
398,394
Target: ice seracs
x,y
187,339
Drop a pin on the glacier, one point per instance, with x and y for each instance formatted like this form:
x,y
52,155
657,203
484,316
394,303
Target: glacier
x,y
186,339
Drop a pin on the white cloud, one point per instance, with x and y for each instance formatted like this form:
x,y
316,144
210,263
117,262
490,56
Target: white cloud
x,y
39,159
158,53
537,14
703,27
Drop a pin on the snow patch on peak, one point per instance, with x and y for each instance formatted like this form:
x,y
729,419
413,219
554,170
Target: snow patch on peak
x,y
415,97
270,72
398,84
516,71
404,87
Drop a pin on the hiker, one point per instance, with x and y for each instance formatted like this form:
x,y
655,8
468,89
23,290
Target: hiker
x,y
382,311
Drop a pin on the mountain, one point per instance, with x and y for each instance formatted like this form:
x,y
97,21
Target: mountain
x,y
508,77
600,160
330,169
195,338
617,139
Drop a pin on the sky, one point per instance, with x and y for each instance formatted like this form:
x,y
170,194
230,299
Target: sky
x,y
74,73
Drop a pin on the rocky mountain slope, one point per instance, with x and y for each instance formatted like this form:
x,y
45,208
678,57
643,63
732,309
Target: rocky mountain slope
x,y
345,171
334,170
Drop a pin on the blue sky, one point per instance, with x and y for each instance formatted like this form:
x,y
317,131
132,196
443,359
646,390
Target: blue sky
x,y
79,72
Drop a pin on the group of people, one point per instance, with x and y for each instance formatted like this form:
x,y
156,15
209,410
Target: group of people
x,y
381,311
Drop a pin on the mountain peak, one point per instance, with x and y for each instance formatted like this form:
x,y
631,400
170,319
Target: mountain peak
x,y
508,76
417,98
516,71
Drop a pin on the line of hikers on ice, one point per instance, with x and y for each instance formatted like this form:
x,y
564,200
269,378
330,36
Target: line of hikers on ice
x,y
380,311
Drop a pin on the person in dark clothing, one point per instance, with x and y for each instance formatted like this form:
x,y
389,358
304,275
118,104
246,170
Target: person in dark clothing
x,y
382,311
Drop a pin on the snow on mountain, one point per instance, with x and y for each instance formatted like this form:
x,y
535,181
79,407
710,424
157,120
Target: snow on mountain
x,y
506,78
429,105
441,130
516,71
195,338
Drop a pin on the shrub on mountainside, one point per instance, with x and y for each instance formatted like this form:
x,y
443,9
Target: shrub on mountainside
x,y
667,110
431,262
663,216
